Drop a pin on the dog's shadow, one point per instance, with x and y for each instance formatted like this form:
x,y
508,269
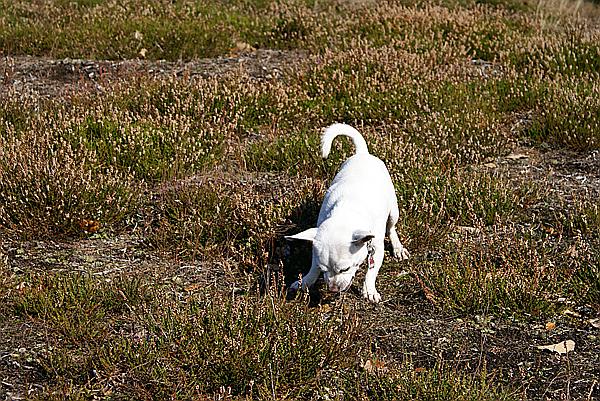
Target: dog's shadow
x,y
291,259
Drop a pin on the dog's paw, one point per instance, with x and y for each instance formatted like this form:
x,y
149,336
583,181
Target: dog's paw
x,y
372,296
401,253
292,291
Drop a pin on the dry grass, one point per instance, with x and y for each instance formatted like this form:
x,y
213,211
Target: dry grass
x,y
141,343
213,171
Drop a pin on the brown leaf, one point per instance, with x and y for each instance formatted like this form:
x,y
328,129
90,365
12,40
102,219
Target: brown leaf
x,y
569,312
561,347
426,290
90,226
550,326
193,287
241,47
572,251
325,308
372,366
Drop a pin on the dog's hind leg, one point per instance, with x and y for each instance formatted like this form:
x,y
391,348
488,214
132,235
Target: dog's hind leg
x,y
398,249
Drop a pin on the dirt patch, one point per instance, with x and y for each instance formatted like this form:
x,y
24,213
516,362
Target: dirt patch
x,y
106,257
24,75
566,173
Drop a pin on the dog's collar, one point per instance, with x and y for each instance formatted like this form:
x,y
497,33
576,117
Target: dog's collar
x,y
370,253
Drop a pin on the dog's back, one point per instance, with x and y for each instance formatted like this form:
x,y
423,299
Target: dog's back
x,y
362,182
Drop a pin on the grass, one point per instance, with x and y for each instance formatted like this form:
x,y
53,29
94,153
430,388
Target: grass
x,y
437,383
208,174
131,340
491,277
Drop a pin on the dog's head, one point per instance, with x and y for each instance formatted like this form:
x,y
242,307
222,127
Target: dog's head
x,y
338,251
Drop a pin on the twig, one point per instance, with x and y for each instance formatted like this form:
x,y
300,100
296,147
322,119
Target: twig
x,y
591,390
429,294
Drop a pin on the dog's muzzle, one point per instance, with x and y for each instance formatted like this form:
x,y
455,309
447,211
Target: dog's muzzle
x,y
333,283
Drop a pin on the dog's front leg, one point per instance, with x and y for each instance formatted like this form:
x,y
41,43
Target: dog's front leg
x,y
310,278
369,291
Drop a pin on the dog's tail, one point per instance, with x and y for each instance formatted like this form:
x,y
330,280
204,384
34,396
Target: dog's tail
x,y
342,129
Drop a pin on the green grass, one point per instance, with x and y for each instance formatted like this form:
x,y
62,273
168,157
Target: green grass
x,y
584,280
294,153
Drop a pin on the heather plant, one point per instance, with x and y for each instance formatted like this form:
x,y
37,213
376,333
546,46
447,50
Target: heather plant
x,y
151,152
142,211
144,342
571,116
476,278
243,221
257,347
5,279
584,274
521,274
115,31
77,307
47,186
409,382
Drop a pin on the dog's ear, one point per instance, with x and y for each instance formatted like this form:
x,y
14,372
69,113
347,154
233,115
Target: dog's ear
x,y
307,235
361,237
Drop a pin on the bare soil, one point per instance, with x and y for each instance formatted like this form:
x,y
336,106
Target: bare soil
x,y
25,75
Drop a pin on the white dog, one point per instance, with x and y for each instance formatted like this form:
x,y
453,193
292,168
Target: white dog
x,y
359,208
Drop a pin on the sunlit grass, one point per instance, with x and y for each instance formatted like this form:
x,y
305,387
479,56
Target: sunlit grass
x,y
216,170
